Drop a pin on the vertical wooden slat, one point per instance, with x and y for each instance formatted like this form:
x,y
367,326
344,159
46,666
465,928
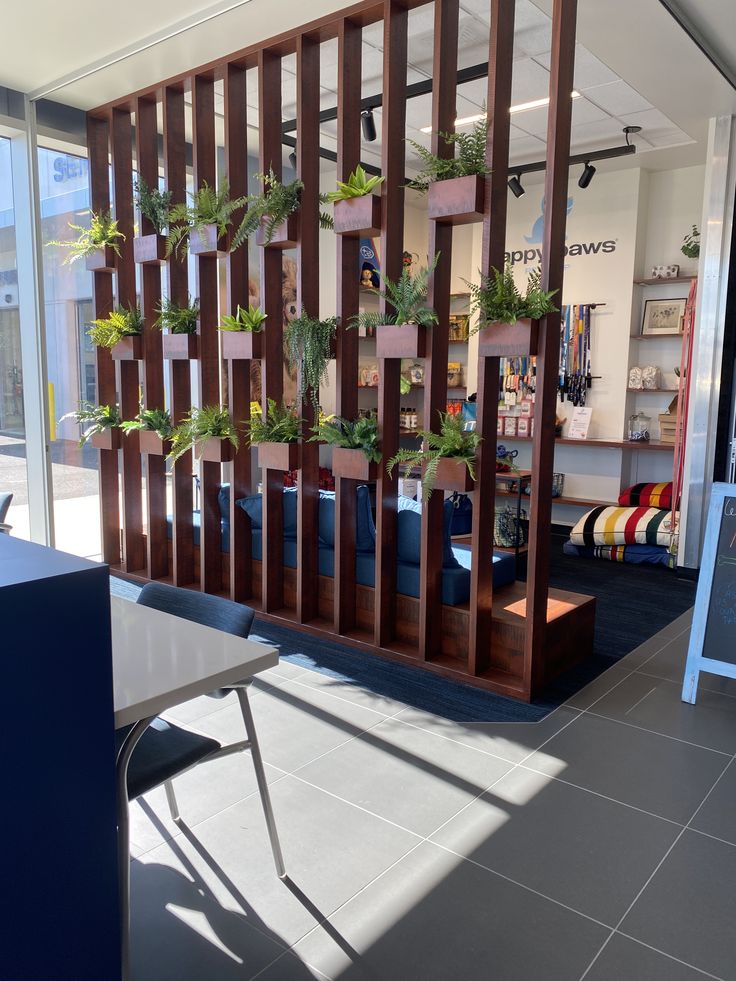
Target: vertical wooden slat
x,y
180,377
307,151
564,15
349,68
500,61
146,130
134,557
393,122
203,118
272,371
98,140
444,91
236,156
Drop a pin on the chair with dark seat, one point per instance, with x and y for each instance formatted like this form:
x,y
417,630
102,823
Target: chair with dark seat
x,y
153,752
5,500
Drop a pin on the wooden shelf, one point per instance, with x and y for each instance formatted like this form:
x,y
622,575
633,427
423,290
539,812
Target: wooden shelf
x,y
618,444
664,282
568,501
673,391
652,337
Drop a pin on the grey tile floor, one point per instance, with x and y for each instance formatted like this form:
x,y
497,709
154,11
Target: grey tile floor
x,y
599,844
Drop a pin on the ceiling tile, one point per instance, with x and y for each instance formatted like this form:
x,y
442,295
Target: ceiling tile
x,y
593,134
526,150
653,124
529,81
532,121
585,112
617,98
589,70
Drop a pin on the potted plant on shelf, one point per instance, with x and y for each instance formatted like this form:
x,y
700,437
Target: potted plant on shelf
x,y
277,437
155,430
403,333
509,319
691,244
455,184
209,432
121,331
242,334
98,245
357,209
355,453
272,214
447,458
154,205
309,344
202,224
102,425
181,341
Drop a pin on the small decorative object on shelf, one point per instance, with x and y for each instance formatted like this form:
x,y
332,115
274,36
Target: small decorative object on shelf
x,y
203,225
155,429
665,272
209,432
639,424
636,378
691,244
663,317
650,377
455,184
102,422
120,332
154,205
508,322
459,327
357,209
98,245
454,374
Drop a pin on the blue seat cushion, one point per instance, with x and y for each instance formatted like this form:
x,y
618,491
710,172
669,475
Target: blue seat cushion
x,y
408,539
253,507
162,751
225,525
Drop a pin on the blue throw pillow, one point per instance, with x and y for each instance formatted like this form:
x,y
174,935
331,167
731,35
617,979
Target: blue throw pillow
x,y
365,532
253,507
223,499
409,533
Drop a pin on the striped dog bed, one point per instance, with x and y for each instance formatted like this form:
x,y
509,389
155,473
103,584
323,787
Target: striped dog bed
x,y
624,526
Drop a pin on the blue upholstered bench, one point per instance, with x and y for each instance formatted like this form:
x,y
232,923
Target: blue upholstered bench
x,y
456,558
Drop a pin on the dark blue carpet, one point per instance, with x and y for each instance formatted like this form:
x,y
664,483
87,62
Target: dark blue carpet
x,y
634,602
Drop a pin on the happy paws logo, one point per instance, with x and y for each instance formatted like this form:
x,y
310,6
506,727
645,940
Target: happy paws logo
x,y
534,255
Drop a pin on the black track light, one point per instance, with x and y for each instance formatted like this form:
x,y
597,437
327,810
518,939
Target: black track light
x,y
515,186
368,125
292,158
587,175
629,131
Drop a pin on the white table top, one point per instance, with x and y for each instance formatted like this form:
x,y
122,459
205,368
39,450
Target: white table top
x,y
160,660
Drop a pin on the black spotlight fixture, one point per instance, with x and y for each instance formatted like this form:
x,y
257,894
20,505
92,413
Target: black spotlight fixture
x,y
515,186
587,175
629,130
292,158
368,125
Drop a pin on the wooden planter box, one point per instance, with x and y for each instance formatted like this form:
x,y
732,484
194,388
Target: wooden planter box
x,y
216,450
205,242
278,456
103,260
401,341
452,475
151,443
509,340
150,250
108,439
358,216
285,235
242,345
353,464
181,347
128,349
459,201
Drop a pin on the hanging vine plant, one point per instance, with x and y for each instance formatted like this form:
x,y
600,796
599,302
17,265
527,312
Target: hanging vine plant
x,y
308,342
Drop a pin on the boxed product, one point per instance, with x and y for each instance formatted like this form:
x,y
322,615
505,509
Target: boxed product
x,y
499,426
668,423
527,408
509,426
523,427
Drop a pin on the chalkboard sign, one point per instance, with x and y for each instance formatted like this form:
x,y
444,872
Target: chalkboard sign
x,y
713,636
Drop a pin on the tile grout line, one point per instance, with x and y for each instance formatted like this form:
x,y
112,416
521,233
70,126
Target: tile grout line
x,y
658,867
671,957
654,732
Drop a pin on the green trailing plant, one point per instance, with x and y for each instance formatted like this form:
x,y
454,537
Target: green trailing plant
x,y
407,296
96,418
360,434
103,232
153,204
209,206
308,343
468,157
691,244
272,207
122,322
499,300
154,420
451,441
200,425
247,319
177,319
357,185
280,425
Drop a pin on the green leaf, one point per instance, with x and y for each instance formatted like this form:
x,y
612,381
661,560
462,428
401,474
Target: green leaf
x,y
280,425
360,434
201,424
308,344
451,441
247,320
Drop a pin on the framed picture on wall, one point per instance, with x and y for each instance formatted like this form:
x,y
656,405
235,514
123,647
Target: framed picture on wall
x,y
663,316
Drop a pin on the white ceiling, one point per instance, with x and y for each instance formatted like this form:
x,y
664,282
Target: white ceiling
x,y
652,75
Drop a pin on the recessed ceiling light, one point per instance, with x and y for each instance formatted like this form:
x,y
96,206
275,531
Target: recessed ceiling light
x,y
522,107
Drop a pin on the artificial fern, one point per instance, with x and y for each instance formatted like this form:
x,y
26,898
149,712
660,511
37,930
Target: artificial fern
x,y
407,298
153,204
308,343
154,420
280,425
209,206
451,441
177,319
500,301
468,157
247,319
208,422
361,434
122,322
100,417
103,232
357,185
